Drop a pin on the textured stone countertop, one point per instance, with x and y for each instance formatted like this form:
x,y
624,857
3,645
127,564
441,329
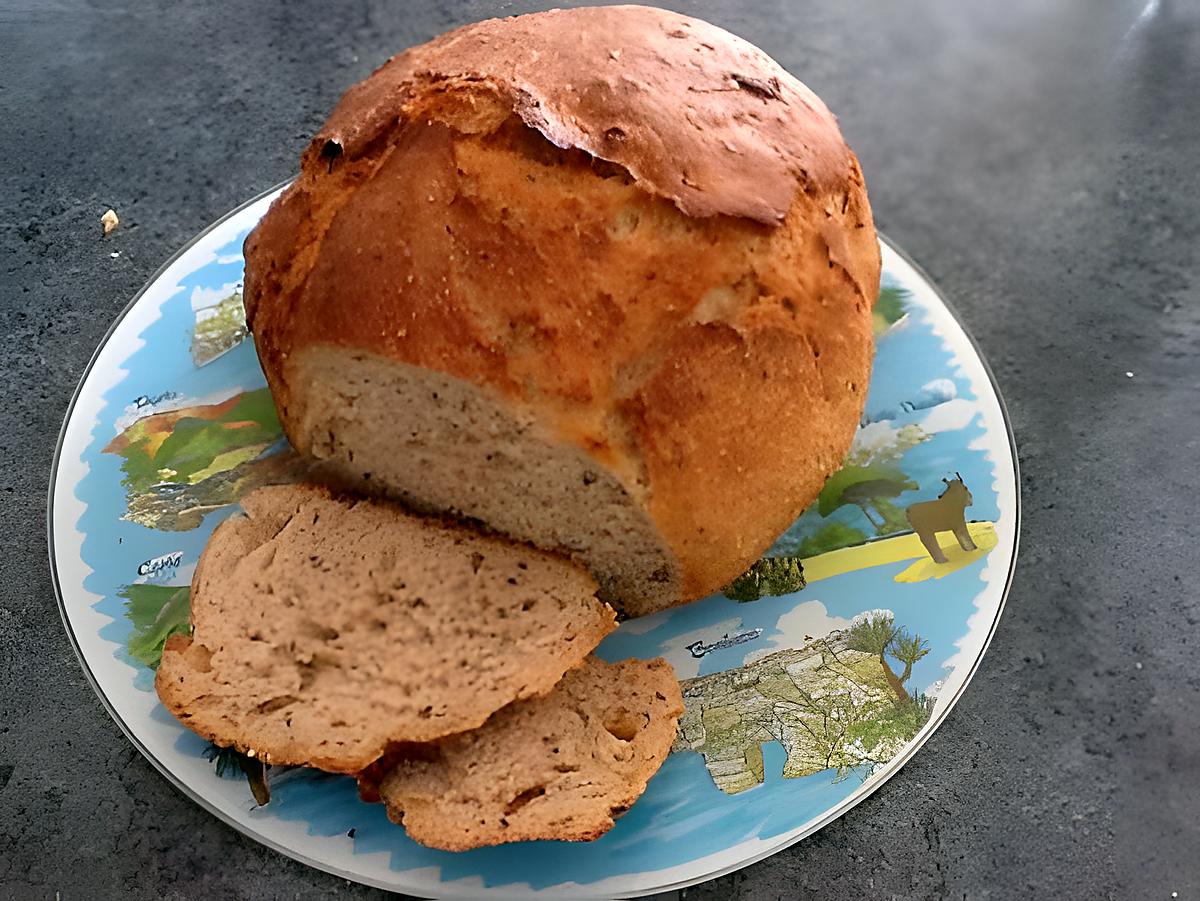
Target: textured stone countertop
x,y
1038,157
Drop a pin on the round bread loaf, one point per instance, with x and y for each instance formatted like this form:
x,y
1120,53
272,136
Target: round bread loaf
x,y
600,278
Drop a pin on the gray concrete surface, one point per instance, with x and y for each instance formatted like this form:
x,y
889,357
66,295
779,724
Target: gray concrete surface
x,y
1038,157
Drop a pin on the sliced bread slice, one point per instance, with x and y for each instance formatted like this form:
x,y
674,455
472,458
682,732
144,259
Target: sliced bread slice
x,y
326,629
561,766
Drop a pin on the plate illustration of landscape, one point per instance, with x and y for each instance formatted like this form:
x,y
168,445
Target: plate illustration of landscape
x,y
808,681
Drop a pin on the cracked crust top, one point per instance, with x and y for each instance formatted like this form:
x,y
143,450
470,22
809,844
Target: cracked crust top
x,y
695,114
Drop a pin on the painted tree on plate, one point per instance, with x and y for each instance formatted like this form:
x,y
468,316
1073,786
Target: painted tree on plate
x,y
219,328
156,612
870,481
878,634
830,537
768,577
889,308
872,489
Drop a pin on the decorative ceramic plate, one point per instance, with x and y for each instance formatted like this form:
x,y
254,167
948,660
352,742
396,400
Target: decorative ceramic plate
x,y
801,699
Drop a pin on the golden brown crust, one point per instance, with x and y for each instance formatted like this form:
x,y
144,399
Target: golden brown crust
x,y
716,364
697,115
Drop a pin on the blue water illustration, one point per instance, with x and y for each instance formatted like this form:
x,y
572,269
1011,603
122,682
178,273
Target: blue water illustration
x,y
682,816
